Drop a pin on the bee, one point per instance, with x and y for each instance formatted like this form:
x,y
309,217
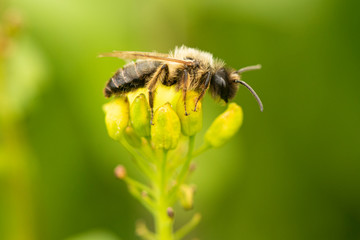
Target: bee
x,y
186,68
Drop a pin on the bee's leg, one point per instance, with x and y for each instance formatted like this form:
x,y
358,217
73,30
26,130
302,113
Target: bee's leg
x,y
185,87
152,84
151,103
203,91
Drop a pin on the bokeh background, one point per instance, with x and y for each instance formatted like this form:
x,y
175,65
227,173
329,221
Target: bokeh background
x,y
292,172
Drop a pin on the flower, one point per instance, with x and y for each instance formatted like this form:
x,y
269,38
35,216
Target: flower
x,y
163,150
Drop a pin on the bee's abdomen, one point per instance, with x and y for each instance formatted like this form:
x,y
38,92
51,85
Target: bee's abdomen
x,y
133,76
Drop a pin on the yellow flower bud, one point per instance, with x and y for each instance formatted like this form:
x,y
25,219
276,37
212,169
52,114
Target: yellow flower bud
x,y
140,116
224,126
116,116
186,196
165,132
166,94
163,94
192,123
133,94
131,137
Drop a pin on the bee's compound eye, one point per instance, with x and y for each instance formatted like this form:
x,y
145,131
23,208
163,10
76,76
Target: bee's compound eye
x,y
220,85
219,81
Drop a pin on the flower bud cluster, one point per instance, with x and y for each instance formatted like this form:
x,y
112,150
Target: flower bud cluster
x,y
129,117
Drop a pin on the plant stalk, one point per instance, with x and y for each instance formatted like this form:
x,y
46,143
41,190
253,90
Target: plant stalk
x,y
163,222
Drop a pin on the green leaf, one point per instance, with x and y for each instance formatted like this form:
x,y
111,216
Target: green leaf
x,y
94,235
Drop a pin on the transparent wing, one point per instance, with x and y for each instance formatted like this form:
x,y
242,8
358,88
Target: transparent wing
x,y
146,55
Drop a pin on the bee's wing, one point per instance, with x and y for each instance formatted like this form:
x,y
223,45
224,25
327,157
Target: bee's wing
x,y
146,55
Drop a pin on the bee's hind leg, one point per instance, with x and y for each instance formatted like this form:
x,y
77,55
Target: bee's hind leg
x,y
203,91
152,84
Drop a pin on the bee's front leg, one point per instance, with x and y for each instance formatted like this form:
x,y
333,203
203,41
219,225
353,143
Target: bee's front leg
x,y
203,91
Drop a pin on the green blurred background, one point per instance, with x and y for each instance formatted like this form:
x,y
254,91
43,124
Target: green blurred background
x,y
292,172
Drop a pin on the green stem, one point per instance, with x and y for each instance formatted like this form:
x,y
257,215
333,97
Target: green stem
x,y
145,201
163,222
16,179
139,185
143,232
139,159
200,150
184,170
147,150
186,229
163,171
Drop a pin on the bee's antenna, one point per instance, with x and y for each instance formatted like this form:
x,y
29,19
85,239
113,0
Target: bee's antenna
x,y
249,68
252,92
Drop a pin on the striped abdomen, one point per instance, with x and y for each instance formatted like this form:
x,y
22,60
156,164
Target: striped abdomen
x,y
133,76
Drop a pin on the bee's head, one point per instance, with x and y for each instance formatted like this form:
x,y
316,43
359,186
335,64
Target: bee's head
x,y
225,83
